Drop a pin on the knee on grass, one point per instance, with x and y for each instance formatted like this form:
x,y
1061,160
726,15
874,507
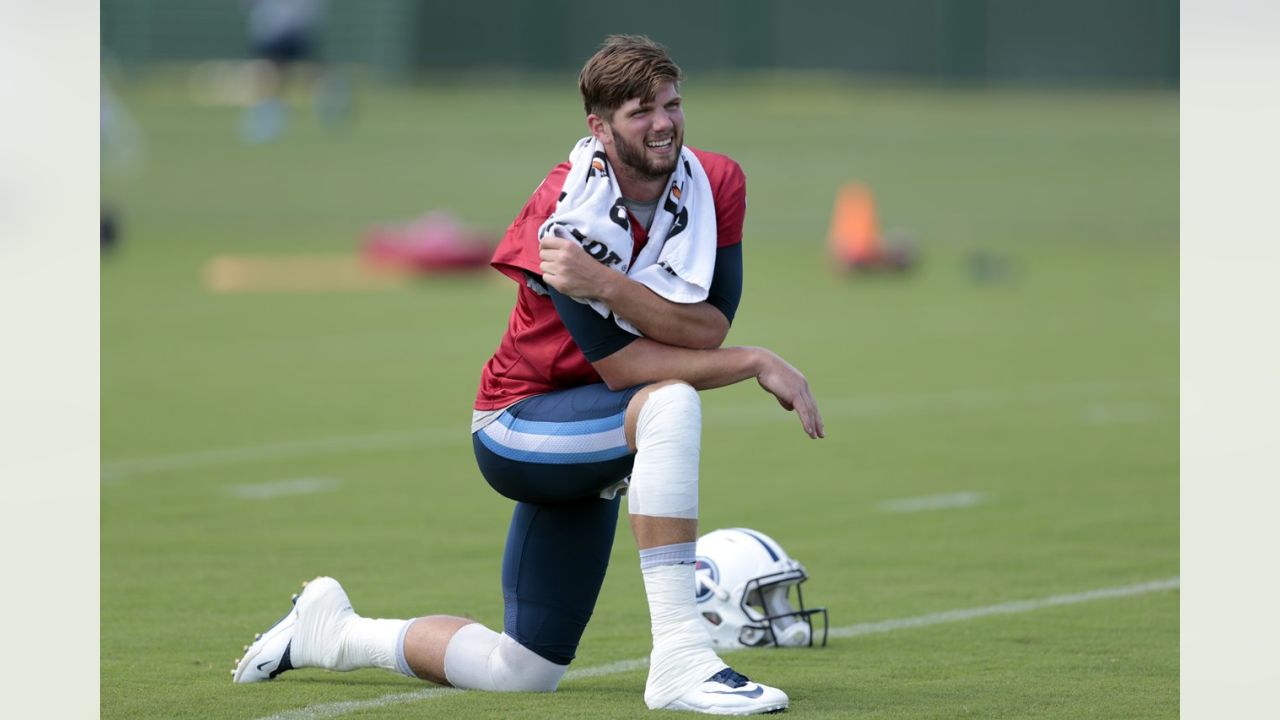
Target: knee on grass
x,y
478,658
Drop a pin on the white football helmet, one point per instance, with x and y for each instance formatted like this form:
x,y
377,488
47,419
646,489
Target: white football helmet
x,y
744,581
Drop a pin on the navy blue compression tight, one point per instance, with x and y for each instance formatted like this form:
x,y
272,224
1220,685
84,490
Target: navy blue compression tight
x,y
553,454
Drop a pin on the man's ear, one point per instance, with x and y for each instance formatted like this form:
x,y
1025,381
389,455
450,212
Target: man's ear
x,y
600,128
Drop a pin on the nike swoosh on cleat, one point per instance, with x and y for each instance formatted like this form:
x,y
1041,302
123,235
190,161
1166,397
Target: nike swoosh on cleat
x,y
286,663
744,693
260,665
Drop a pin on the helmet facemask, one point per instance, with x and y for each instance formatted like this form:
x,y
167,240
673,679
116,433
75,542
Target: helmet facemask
x,y
774,620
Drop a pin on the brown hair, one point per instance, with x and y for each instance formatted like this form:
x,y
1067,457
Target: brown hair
x,y
625,67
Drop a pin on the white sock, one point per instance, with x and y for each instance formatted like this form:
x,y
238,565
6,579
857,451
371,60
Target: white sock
x,y
329,634
374,643
682,657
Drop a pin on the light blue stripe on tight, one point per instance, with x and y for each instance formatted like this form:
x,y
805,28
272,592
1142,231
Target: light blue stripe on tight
x,y
576,427
546,458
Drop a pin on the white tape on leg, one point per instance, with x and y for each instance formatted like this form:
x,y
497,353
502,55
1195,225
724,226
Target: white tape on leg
x,y
664,479
682,658
478,658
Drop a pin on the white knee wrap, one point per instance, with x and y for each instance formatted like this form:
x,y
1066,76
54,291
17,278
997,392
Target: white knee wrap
x,y
478,658
664,479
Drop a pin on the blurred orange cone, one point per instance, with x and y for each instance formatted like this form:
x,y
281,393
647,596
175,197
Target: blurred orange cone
x,y
855,239
855,235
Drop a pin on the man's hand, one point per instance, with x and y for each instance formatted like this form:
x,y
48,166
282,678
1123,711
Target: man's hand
x,y
570,270
789,386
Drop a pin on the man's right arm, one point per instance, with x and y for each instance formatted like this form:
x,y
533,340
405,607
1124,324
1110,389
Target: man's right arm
x,y
568,269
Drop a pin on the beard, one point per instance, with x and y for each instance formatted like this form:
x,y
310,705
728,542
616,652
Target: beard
x,y
634,156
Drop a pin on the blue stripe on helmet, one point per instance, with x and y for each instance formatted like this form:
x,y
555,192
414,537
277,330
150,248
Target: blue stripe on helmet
x,y
760,540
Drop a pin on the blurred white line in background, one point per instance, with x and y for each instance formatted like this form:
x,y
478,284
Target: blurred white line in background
x,y
284,488
932,502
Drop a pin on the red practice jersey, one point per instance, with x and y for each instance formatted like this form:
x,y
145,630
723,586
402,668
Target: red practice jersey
x,y
537,354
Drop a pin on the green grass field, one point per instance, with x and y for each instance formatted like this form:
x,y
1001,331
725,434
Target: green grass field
x,y
1051,394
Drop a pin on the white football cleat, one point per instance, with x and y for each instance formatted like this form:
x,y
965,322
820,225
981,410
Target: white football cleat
x,y
729,693
268,656
309,635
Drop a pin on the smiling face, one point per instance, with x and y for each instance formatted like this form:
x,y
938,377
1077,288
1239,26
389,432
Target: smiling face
x,y
643,138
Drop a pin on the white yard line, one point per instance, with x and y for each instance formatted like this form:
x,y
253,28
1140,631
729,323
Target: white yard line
x,y
932,502
336,709
285,488
113,471
1017,606
328,710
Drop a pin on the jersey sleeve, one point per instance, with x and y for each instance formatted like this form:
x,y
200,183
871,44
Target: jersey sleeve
x,y
729,186
730,191
726,282
517,252
597,337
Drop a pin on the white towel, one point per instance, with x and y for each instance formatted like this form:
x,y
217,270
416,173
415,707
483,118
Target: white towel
x,y
678,260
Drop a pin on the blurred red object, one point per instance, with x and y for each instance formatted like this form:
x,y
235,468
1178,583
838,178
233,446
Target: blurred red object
x,y
435,242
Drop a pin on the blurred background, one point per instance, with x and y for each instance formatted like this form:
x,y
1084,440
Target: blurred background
x,y
962,225
975,42
254,151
